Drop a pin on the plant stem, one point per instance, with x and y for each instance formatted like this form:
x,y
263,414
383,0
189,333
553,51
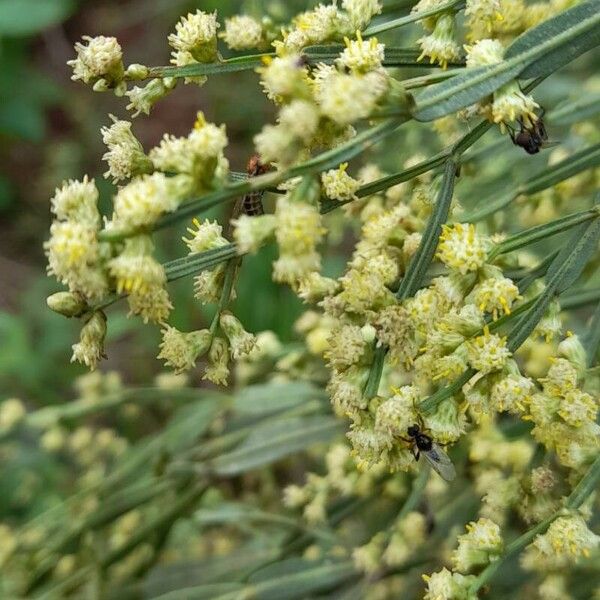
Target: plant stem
x,y
230,271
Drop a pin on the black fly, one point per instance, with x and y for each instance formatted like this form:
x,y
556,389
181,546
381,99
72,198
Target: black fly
x,y
435,456
531,138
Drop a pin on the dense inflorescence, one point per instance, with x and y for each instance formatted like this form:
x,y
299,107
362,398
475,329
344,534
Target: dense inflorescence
x,y
440,317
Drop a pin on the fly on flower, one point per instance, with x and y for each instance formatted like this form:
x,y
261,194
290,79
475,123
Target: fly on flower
x,y
532,138
435,456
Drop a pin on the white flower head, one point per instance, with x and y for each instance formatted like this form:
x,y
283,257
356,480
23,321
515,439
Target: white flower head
x,y
567,539
217,370
90,348
125,156
12,412
338,185
277,143
242,32
135,270
441,45
251,233
208,285
396,414
77,201
100,59
241,342
142,201
300,118
142,99
206,236
461,248
361,55
484,52
479,546
445,585
284,77
346,98
180,350
197,34
361,12
511,104
487,352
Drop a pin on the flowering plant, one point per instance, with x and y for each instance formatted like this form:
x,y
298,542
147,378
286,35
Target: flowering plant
x,y
447,331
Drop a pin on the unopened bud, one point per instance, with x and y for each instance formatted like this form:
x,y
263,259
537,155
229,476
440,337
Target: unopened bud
x,y
137,72
69,304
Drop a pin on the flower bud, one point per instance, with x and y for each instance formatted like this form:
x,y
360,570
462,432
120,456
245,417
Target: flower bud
x,y
12,411
90,348
137,72
180,350
217,370
241,341
68,304
572,349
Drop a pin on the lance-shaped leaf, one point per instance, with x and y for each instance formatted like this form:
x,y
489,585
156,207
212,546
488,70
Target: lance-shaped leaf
x,y
546,178
567,35
272,441
555,43
268,398
564,271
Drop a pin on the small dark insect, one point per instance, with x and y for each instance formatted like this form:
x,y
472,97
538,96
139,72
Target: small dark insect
x,y
531,138
252,201
435,456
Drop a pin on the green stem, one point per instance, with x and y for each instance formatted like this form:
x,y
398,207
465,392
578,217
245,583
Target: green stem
x,y
418,266
394,56
230,272
423,258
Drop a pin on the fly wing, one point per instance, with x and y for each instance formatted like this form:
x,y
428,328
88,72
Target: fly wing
x,y
440,462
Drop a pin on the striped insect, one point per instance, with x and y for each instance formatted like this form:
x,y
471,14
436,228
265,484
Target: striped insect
x,y
251,204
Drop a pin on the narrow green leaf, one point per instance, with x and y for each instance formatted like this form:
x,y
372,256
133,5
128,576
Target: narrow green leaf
x,y
421,261
570,262
591,340
565,269
535,234
579,109
244,63
463,90
546,178
201,592
273,441
536,53
372,385
194,263
572,32
585,159
272,397
579,297
587,485
299,583
394,56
